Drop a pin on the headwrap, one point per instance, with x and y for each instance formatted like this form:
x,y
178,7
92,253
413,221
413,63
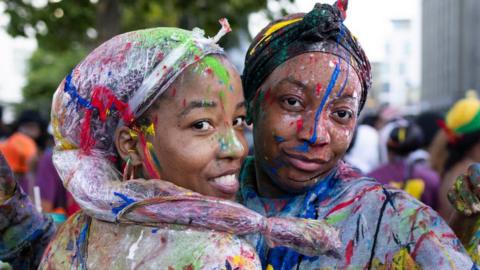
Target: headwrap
x,y
320,30
117,83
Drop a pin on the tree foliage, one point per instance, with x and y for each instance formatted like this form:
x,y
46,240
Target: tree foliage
x,y
66,30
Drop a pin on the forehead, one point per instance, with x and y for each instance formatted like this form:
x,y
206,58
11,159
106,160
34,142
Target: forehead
x,y
212,77
317,68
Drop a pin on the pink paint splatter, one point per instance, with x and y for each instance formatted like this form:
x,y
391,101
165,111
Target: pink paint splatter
x,y
299,125
318,88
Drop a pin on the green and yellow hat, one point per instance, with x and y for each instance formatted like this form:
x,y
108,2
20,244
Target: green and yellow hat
x,y
464,116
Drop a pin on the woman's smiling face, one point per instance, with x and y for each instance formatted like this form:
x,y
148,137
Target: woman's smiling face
x,y
193,135
304,118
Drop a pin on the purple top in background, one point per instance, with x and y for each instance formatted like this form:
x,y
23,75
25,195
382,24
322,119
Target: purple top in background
x,y
51,186
423,183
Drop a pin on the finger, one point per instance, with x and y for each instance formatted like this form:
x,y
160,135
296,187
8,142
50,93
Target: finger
x,y
458,203
473,174
466,194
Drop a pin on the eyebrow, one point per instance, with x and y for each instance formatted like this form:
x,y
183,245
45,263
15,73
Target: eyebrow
x,y
294,81
241,104
197,104
345,98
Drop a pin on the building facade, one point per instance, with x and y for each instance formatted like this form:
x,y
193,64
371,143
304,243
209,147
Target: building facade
x,y
450,51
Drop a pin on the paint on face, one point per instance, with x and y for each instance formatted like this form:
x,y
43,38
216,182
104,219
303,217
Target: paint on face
x,y
331,84
211,64
198,142
229,142
316,123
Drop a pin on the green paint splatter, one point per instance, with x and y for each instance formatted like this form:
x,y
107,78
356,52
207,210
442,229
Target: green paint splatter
x,y
218,68
223,100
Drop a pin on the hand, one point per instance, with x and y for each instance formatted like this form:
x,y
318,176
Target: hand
x,y
465,193
7,181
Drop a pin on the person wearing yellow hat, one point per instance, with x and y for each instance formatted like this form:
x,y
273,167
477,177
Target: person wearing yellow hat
x,y
462,129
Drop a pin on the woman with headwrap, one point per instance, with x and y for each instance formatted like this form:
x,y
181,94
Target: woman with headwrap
x,y
306,80
157,103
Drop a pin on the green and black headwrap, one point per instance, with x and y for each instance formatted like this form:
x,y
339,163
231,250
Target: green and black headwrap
x,y
320,30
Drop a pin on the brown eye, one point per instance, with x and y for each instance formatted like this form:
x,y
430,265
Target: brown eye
x,y
342,116
202,125
292,104
239,121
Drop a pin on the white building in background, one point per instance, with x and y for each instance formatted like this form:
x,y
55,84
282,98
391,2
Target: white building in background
x,y
400,71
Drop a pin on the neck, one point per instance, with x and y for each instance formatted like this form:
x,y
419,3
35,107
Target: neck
x,y
265,186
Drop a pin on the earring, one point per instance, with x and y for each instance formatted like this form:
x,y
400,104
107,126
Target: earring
x,y
128,170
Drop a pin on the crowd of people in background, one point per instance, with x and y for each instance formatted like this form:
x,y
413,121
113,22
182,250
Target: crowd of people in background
x,y
27,146
422,154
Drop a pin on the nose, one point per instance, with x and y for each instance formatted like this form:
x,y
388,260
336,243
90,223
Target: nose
x,y
314,130
231,145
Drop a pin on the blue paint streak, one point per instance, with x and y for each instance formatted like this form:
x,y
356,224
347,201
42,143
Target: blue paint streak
x,y
278,139
303,147
331,84
127,202
80,243
346,78
70,89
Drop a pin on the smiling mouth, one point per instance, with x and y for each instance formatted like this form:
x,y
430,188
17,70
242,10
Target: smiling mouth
x,y
227,183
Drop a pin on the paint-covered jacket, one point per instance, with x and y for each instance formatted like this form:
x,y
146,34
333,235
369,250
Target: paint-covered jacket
x,y
380,228
87,243
24,233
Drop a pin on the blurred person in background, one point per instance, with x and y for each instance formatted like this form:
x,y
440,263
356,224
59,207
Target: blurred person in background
x,y
363,152
55,198
21,150
406,173
3,128
461,131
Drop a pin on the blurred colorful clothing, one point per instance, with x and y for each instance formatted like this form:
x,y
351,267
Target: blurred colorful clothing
x,y
380,228
421,182
24,233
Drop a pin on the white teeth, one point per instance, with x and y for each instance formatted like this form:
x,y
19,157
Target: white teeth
x,y
226,180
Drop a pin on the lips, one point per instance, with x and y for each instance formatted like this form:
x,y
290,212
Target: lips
x,y
304,163
226,183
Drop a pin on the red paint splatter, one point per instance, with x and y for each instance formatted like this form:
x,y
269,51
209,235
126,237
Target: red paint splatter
x,y
184,103
267,95
448,235
174,91
291,123
310,131
420,241
348,253
103,100
318,88
299,124
349,202
197,58
188,267
160,56
209,71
